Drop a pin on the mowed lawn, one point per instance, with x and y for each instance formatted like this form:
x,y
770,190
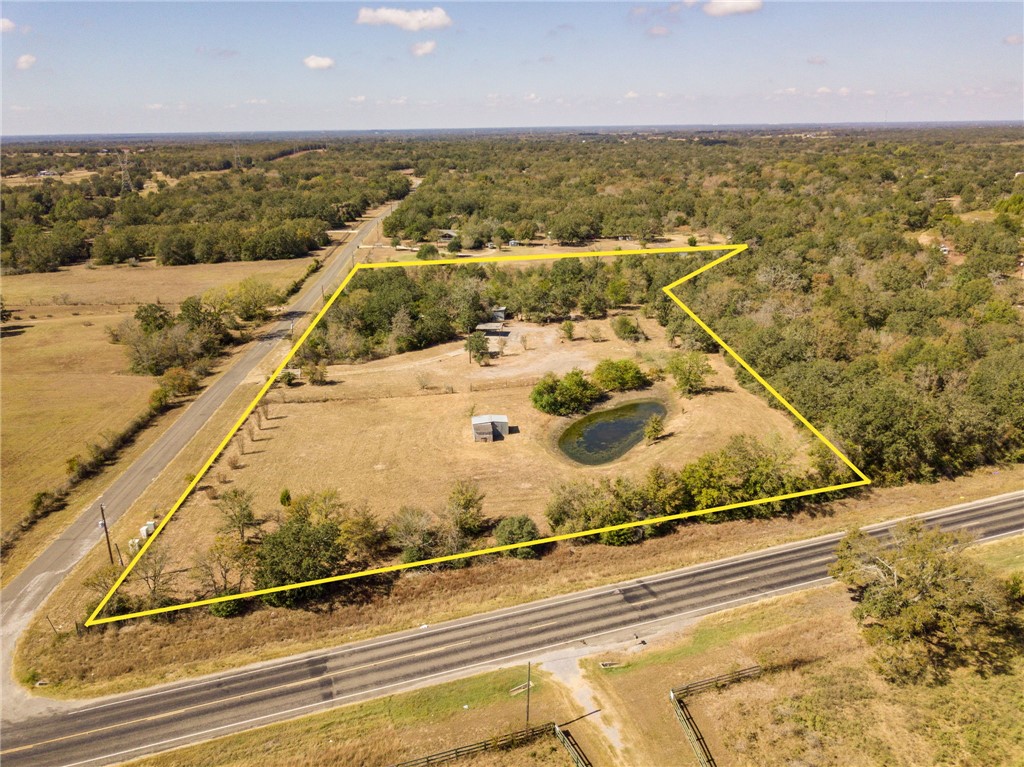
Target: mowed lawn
x,y
64,384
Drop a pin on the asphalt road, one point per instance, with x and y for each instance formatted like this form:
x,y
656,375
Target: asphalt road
x,y
123,727
26,592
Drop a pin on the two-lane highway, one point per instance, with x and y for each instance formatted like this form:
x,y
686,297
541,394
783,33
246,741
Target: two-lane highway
x,y
124,727
26,592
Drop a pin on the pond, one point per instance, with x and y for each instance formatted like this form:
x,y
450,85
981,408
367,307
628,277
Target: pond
x,y
602,437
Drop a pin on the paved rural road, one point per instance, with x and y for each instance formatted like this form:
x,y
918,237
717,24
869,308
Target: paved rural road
x,y
123,727
26,592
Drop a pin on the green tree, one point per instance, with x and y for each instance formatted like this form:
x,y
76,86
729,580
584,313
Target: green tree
x,y
925,606
690,371
620,375
252,298
627,329
476,345
465,507
236,506
455,246
302,549
427,252
654,427
574,393
518,529
153,317
567,328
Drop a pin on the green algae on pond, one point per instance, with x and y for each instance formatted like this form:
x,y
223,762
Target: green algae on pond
x,y
602,437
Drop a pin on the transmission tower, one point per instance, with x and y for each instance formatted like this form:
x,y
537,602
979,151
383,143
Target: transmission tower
x,y
126,179
238,162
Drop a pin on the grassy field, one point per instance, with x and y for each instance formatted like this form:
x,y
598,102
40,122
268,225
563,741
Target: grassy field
x,y
101,661
826,708
400,727
386,433
64,384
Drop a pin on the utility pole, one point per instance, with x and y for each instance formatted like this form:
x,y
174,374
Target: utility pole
x,y
528,685
126,179
106,532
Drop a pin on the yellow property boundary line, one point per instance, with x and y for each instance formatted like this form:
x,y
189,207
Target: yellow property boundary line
x,y
733,250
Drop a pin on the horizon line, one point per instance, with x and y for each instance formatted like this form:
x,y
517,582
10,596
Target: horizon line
x,y
657,127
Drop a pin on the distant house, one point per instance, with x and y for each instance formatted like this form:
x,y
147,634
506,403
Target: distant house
x,y
446,235
489,428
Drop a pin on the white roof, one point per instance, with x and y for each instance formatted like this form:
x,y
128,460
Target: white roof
x,y
489,419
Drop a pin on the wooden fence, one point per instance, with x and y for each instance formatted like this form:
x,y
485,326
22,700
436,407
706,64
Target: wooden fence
x,y
575,752
693,733
513,739
716,682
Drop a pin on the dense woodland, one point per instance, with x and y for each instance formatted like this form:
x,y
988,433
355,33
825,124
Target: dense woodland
x,y
909,357
881,292
192,210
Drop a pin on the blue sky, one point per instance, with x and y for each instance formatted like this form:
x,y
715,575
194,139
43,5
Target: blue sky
x,y
244,66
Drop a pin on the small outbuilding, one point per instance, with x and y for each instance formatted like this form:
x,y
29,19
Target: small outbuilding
x,y
489,428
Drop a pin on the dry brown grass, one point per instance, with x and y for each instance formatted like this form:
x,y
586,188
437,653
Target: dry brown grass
x,y
826,708
71,177
380,438
398,728
197,643
64,384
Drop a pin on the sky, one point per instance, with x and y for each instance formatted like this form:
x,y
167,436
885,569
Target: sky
x,y
167,67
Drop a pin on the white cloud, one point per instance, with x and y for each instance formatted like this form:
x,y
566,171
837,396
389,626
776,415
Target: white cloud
x,y
870,92
787,92
257,102
318,62
531,98
1008,40
20,108
411,21
155,107
25,61
730,7
401,101
631,95
423,49
6,25
658,31
357,99
844,91
823,91
818,61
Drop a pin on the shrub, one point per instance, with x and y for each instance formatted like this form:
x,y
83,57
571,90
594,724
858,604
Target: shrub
x,y
518,529
620,375
566,396
690,371
628,329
